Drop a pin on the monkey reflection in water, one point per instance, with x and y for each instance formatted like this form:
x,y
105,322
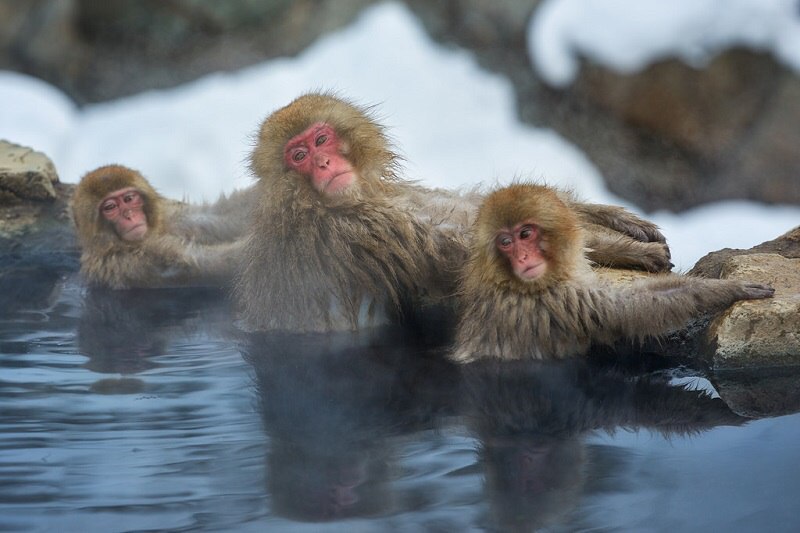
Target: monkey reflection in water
x,y
333,405
531,418
121,332
132,237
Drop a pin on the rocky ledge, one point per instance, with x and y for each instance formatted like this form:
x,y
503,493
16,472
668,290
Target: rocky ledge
x,y
37,241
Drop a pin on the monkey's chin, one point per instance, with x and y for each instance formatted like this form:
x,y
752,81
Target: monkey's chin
x,y
135,234
339,184
532,272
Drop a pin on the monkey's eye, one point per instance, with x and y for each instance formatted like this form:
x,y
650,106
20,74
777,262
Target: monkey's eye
x,y
132,197
299,156
108,206
526,232
322,139
504,242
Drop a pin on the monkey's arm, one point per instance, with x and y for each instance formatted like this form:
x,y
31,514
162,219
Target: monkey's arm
x,y
224,221
653,307
215,264
441,208
613,249
163,261
159,261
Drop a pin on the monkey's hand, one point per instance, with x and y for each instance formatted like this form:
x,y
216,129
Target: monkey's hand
x,y
655,257
756,291
621,220
610,248
639,228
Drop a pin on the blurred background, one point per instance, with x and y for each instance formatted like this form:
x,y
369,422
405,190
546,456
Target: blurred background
x,y
664,107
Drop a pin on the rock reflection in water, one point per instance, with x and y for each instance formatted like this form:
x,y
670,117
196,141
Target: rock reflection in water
x,y
531,419
331,405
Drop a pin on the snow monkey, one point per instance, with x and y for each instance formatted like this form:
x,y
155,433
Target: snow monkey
x,y
331,248
132,237
340,241
528,290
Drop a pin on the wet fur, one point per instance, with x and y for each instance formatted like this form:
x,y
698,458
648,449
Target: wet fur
x,y
566,310
168,256
316,263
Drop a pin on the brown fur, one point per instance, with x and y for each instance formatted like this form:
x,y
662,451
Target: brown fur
x,y
566,310
615,237
317,263
166,257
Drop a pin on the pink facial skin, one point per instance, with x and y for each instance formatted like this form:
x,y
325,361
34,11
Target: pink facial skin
x,y
124,208
522,246
317,154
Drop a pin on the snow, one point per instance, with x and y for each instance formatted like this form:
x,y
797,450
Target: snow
x,y
627,35
455,124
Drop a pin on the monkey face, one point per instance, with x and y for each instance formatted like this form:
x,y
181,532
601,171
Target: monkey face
x,y
522,246
318,154
124,209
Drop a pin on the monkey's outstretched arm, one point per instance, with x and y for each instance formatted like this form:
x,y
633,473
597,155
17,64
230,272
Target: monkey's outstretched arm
x,y
215,264
224,221
653,307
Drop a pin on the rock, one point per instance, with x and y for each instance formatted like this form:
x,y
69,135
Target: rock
x,y
97,51
762,333
25,174
711,265
759,393
685,136
37,239
754,334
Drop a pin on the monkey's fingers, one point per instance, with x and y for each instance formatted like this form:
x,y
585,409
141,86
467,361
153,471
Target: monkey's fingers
x,y
640,229
756,291
657,258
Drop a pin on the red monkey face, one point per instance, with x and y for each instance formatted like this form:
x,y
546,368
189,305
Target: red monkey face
x,y
522,246
124,209
317,153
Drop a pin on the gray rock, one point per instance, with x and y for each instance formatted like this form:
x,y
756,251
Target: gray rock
x,y
711,265
761,333
25,174
759,393
37,239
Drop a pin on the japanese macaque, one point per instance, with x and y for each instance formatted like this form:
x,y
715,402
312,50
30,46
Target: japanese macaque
x,y
528,290
339,241
331,248
132,237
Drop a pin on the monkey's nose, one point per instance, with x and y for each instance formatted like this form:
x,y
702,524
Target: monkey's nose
x,y
322,160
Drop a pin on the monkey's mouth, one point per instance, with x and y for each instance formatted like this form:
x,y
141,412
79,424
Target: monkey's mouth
x,y
135,233
533,271
339,182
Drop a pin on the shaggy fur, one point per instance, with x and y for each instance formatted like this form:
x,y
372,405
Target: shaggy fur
x,y
320,263
167,256
564,311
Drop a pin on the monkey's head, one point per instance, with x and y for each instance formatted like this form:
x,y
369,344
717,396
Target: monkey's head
x,y
113,203
326,147
524,235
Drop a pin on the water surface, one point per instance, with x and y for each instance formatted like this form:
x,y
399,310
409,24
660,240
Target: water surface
x,y
150,410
